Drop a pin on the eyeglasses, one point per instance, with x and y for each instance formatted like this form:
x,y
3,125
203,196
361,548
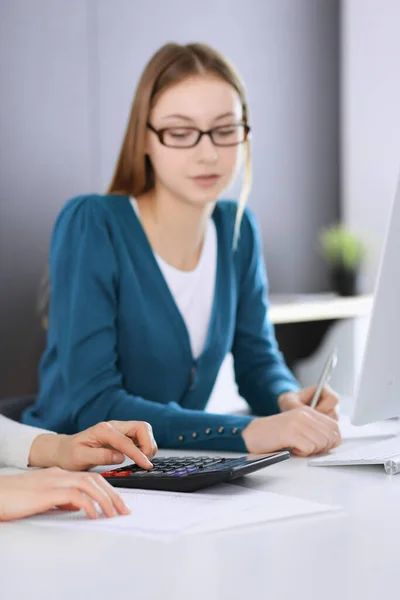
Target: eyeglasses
x,y
188,137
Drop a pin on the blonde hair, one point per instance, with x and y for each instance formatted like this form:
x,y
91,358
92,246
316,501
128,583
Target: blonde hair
x,y
171,64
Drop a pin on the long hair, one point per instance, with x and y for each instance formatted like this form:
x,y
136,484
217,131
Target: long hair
x,y
171,64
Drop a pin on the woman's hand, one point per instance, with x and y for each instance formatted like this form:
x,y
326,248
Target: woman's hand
x,y
327,403
38,491
103,444
304,430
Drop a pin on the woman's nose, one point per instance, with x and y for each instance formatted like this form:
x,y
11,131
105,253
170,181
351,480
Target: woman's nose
x,y
206,150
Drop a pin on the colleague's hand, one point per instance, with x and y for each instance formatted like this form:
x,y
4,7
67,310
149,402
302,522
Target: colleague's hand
x,y
327,404
38,491
304,430
103,444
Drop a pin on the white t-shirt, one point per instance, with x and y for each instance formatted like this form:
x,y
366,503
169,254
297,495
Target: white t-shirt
x,y
15,442
193,291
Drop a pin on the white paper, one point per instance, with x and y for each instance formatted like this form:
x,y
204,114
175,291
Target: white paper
x,y
383,429
168,514
270,507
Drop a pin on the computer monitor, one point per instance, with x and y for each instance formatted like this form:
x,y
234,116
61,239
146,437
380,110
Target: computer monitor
x,y
378,387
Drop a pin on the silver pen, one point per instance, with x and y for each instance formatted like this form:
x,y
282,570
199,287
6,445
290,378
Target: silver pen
x,y
325,377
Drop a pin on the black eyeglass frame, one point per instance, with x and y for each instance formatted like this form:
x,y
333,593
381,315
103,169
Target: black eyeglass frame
x,y
201,132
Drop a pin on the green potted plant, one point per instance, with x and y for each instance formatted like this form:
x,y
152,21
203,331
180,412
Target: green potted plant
x,y
344,252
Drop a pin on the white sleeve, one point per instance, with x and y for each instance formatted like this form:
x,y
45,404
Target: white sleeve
x,y
15,442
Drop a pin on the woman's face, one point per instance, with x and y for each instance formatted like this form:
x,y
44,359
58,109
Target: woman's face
x,y
199,174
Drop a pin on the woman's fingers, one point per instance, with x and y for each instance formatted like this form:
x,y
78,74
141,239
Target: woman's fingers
x,y
96,488
303,445
317,439
107,434
94,457
145,439
89,486
116,498
328,402
321,431
327,428
141,433
39,491
332,414
107,443
62,497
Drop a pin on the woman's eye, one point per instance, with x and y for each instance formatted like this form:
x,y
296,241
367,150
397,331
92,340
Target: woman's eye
x,y
181,133
224,132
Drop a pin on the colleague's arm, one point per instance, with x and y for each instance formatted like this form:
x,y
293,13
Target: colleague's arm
x,y
83,267
260,370
16,442
105,443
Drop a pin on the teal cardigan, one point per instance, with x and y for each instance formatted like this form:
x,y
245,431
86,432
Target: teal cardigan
x,y
118,347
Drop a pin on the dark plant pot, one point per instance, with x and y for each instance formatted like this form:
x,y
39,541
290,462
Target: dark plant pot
x,y
345,282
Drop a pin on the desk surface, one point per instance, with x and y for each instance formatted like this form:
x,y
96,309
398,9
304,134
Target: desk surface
x,y
297,308
347,556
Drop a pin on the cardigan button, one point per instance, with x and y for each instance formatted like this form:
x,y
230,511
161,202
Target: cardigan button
x,y
235,430
195,435
181,438
220,429
207,431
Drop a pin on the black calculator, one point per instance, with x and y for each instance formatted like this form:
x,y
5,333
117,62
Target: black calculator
x,y
190,473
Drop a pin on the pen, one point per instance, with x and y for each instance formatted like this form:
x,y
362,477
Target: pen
x,y
325,376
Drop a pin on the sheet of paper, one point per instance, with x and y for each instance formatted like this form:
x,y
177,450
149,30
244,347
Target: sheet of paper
x,y
165,515
382,429
270,507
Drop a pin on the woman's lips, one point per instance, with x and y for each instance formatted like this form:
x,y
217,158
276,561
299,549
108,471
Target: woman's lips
x,y
206,180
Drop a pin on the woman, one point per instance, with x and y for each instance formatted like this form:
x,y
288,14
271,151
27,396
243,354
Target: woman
x,y
155,282
37,491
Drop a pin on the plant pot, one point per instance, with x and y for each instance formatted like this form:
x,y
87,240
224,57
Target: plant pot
x,y
345,282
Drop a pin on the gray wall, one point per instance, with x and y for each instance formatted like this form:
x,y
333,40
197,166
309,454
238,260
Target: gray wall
x,y
370,121
68,69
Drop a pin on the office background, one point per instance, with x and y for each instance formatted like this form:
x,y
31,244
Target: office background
x,y
324,110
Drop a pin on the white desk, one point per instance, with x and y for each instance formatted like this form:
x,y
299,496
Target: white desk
x,y
300,308
352,556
